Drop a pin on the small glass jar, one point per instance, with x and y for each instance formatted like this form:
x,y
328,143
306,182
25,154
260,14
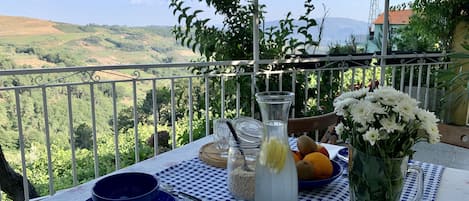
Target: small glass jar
x,y
241,177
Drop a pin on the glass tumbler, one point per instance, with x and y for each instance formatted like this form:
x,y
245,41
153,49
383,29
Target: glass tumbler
x,y
221,136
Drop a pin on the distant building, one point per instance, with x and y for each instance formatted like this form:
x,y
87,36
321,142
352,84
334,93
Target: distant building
x,y
397,19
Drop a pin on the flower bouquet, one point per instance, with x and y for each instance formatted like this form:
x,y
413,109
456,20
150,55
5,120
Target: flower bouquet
x,y
381,127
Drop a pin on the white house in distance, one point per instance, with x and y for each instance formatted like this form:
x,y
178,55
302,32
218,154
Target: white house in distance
x,y
397,19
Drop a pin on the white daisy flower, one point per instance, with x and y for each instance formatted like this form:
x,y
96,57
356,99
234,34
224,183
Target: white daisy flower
x,y
339,129
389,124
372,135
433,134
386,97
361,112
426,117
406,110
360,93
341,106
343,97
377,108
362,129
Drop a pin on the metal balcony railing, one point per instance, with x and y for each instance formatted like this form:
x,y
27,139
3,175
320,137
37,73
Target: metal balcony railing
x,y
192,97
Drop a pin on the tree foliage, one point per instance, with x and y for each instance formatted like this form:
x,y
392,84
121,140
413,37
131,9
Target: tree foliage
x,y
233,41
432,25
83,136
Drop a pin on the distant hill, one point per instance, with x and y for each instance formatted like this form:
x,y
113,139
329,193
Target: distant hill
x,y
340,29
336,30
41,43
14,26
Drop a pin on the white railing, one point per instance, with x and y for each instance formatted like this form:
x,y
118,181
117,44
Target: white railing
x,y
412,73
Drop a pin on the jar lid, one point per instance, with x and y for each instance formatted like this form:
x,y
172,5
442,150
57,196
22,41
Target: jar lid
x,y
249,130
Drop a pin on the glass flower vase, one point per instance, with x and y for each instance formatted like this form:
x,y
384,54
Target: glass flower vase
x,y
376,178
276,176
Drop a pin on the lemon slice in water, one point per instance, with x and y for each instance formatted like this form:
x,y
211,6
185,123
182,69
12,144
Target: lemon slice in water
x,y
273,154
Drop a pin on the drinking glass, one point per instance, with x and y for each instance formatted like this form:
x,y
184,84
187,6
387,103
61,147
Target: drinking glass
x,y
221,136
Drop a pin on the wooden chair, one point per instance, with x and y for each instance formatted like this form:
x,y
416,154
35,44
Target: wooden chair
x,y
454,135
323,123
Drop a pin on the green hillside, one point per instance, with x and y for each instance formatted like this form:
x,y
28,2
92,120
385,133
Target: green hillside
x,y
39,43
32,43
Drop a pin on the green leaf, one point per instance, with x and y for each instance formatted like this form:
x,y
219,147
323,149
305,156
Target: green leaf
x,y
188,42
302,29
180,17
197,12
194,45
304,32
204,21
184,10
312,22
189,21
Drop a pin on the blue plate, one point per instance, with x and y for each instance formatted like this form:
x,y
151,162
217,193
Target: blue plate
x,y
162,196
310,184
343,154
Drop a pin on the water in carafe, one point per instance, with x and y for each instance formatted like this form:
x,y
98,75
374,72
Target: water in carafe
x,y
276,176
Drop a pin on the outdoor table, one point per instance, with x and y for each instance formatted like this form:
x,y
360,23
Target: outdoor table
x,y
454,183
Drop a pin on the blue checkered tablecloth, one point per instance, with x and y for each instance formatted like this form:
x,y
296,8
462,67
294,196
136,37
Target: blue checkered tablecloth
x,y
209,183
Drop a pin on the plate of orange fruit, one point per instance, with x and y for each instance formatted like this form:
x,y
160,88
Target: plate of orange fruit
x,y
314,168
315,183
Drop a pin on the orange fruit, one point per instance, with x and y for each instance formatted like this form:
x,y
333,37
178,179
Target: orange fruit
x,y
296,156
321,164
297,153
322,150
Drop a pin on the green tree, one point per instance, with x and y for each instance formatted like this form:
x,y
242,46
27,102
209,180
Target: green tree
x,y
163,95
350,47
433,24
233,41
83,136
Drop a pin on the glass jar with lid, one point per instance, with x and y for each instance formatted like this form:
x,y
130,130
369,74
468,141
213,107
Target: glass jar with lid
x,y
249,130
242,158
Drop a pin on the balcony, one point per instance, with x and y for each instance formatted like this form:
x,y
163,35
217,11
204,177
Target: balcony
x,y
75,124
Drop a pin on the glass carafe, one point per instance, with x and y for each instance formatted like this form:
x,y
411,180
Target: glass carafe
x,y
276,176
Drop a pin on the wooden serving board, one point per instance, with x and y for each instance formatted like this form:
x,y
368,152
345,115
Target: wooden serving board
x,y
211,155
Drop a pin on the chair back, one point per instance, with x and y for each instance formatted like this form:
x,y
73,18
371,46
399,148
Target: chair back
x,y
454,135
309,124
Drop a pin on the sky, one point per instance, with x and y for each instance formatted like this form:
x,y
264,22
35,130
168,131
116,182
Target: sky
x,y
156,12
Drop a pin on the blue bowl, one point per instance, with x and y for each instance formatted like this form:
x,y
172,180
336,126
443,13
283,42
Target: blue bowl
x,y
129,186
310,184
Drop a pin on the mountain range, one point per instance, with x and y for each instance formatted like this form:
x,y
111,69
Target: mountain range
x,y
336,30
